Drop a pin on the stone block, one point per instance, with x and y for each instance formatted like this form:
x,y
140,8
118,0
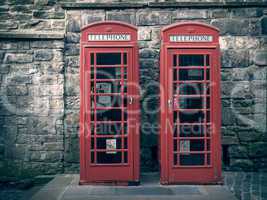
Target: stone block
x,y
236,151
258,149
190,14
4,69
72,49
127,16
235,58
72,38
20,90
41,14
18,58
237,26
144,33
260,57
264,25
219,13
153,17
148,53
228,117
73,21
72,61
245,12
90,16
71,83
47,44
241,164
46,156
8,25
43,55
72,102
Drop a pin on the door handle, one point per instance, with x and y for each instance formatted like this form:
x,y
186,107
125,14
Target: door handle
x,y
169,103
130,100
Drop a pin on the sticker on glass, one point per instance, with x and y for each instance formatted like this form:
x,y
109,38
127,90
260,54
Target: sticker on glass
x,y
111,145
185,146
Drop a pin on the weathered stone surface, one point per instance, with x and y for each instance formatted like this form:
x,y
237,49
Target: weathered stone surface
x,y
18,58
190,14
235,58
90,16
242,165
43,55
144,33
153,17
264,25
125,16
40,14
260,57
73,21
72,38
236,26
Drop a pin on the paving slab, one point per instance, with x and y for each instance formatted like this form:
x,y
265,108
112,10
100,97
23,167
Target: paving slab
x,y
66,187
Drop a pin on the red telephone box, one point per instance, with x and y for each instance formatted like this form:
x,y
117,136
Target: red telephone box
x,y
109,117
190,147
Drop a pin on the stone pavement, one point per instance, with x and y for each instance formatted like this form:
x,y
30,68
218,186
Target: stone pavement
x,y
65,187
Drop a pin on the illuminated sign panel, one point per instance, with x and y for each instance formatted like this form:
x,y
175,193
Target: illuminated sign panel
x,y
109,37
191,38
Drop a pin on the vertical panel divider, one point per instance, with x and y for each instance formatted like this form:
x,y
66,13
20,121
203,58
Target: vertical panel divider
x,y
95,116
122,106
178,106
205,108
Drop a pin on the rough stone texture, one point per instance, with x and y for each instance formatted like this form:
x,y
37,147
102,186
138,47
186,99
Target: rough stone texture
x,y
31,107
39,74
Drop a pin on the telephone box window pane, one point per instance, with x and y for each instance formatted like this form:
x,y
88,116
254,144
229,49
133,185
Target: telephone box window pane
x,y
207,74
191,103
109,128
207,60
191,60
191,88
191,74
174,60
109,115
125,157
106,101
109,157
125,58
110,73
174,145
108,58
103,142
175,159
197,145
192,159
208,145
92,58
107,87
208,159
191,117
92,157
192,130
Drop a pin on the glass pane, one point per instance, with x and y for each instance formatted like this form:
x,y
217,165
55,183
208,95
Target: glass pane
x,y
191,60
109,157
197,145
92,157
109,115
208,159
109,128
174,145
108,143
92,58
106,101
191,103
192,130
108,87
110,73
125,58
190,88
186,117
108,58
175,159
125,143
191,74
174,60
125,157
192,159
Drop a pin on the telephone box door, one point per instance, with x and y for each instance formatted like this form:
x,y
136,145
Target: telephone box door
x,y
109,93
192,152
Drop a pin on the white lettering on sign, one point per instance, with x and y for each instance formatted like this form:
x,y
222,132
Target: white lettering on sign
x,y
109,37
191,38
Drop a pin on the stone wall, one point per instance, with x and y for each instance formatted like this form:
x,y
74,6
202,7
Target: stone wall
x,y
45,78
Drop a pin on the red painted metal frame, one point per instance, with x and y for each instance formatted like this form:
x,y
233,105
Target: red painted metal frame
x,y
123,173
170,173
